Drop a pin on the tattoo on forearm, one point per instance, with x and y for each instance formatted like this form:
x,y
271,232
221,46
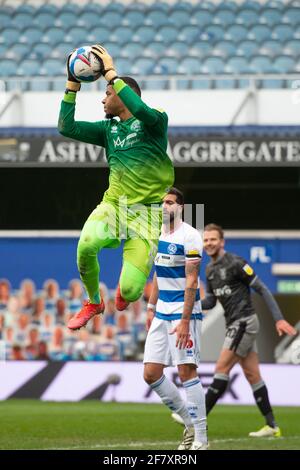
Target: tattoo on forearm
x,y
192,268
189,300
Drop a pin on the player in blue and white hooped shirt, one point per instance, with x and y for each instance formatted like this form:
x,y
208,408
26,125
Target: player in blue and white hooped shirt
x,y
174,322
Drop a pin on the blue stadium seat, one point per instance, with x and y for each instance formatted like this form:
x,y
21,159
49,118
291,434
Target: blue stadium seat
x,y
189,34
226,48
47,8
100,34
224,17
26,8
213,65
154,49
123,66
8,68
270,16
54,36
292,16
166,66
282,33
118,6
203,47
60,51
236,33
247,17
163,6
21,21
184,6
9,36
201,18
143,66
259,33
247,48
183,84
261,64
272,83
29,68
71,8
31,35
44,20
58,85
180,48
111,19
225,83
215,33
207,5
144,34
53,67
123,34
18,51
284,64
88,20
5,20
201,84
167,34
278,4
132,50
237,65
134,19
155,84
228,4
94,8
270,47
293,47
179,17
189,65
66,20
253,4
77,36
156,18
43,50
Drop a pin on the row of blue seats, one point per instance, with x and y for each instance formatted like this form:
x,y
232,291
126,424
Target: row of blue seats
x,y
145,34
155,50
158,84
185,6
155,18
164,66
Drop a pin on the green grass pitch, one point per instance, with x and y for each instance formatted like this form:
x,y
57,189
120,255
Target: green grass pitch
x,y
32,424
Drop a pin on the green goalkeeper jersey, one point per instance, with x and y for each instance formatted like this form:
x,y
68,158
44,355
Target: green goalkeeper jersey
x,y
140,168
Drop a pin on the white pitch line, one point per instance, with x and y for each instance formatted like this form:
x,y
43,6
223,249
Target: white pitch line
x,y
171,443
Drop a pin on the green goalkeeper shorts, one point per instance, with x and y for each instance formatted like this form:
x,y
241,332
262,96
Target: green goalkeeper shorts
x,y
138,225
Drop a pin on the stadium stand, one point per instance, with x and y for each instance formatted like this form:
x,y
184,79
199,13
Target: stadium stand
x,y
214,33
32,324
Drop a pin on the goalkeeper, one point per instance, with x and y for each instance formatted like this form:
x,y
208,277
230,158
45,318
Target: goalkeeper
x,y
140,175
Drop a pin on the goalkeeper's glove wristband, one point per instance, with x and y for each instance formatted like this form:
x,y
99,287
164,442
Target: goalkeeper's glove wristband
x,y
73,85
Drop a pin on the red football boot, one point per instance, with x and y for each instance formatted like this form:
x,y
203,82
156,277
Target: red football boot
x,y
121,304
85,314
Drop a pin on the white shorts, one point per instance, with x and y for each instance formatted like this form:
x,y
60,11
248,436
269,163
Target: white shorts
x,y
160,346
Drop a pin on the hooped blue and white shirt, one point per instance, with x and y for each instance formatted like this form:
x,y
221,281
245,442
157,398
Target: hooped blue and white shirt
x,y
174,250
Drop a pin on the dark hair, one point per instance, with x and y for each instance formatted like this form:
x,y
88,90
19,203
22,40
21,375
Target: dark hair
x,y
133,84
178,194
216,227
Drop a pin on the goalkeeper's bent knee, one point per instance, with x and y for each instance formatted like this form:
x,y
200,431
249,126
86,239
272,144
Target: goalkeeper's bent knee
x,y
132,282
